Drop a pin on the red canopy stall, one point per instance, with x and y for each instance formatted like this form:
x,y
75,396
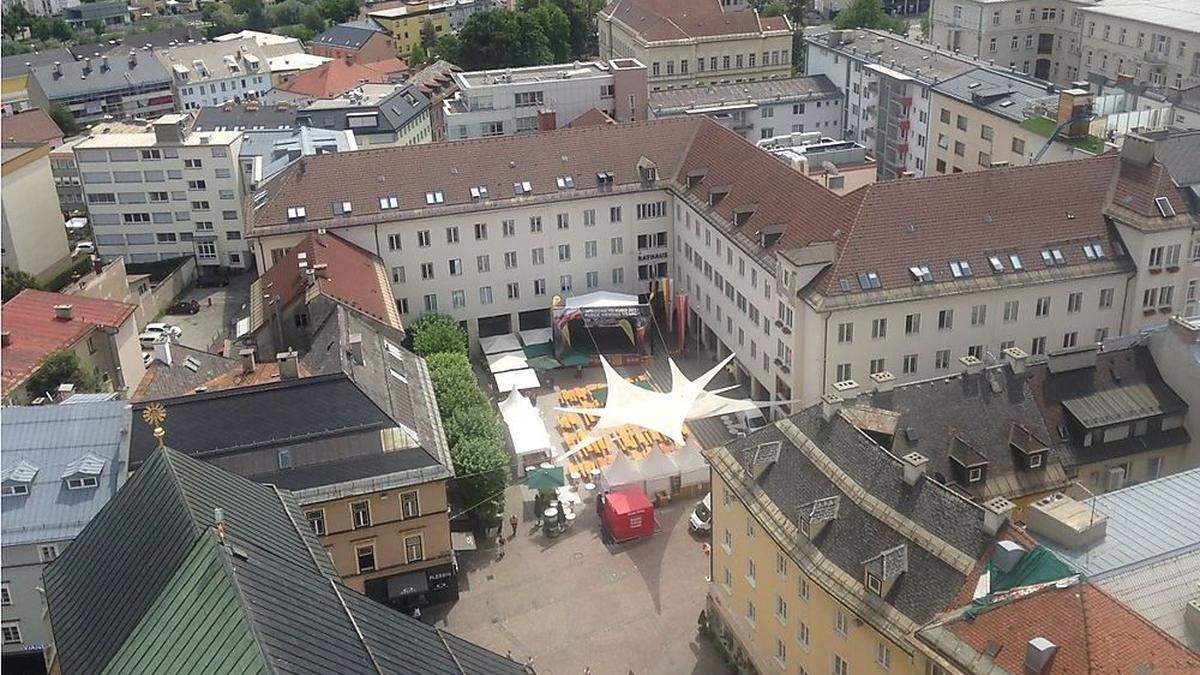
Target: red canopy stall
x,y
628,514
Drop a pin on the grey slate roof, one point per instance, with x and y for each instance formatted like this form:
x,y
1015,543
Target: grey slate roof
x,y
991,91
396,109
161,380
239,118
981,409
11,65
856,536
266,415
1177,150
100,586
300,616
351,35
278,148
51,438
807,88
147,72
155,39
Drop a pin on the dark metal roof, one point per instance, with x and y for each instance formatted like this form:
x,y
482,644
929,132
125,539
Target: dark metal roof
x,y
348,469
856,535
100,587
278,413
346,36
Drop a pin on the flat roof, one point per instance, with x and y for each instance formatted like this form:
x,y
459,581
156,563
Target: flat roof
x,y
719,96
1181,15
148,139
548,73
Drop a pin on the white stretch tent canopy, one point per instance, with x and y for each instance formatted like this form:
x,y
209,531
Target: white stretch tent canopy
x,y
601,299
621,472
506,361
497,344
536,336
529,436
520,379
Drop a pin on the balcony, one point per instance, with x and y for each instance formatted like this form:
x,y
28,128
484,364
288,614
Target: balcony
x,y
1155,57
905,125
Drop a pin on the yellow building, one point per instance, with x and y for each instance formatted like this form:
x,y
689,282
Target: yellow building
x,y
829,552
404,23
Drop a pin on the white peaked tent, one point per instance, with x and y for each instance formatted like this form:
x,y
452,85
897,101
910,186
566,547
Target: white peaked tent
x,y
621,472
519,379
601,299
657,470
529,437
506,361
692,467
500,343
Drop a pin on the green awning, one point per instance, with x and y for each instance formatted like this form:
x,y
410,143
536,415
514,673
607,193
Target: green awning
x,y
575,359
545,479
543,363
534,351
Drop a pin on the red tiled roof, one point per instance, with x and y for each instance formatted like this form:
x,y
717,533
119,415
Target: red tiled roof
x,y
657,20
35,332
337,77
1094,634
30,126
352,276
1139,185
591,117
933,221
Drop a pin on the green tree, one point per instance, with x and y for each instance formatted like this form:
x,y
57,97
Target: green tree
x,y
483,463
869,14
338,11
298,31
65,120
51,28
435,333
500,39
60,367
15,18
16,281
428,34
221,19
417,55
454,383
582,17
555,25
476,422
447,47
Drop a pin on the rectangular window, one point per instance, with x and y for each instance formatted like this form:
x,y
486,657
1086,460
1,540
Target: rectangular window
x,y
316,520
11,632
485,296
360,513
978,315
48,553
879,328
845,333
1106,298
910,364
365,557
946,319
414,548
1043,306
941,359
912,324
458,298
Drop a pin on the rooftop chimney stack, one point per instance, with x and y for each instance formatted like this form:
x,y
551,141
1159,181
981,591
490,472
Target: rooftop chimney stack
x,y
972,365
1137,149
132,59
914,467
995,513
247,357
547,120
289,365
1016,357
830,404
162,352
64,312
884,381
1038,654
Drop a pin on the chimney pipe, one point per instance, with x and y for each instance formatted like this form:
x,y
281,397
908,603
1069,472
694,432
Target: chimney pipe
x,y
995,513
64,312
830,404
356,348
289,367
1038,653
162,352
914,467
1016,357
247,357
884,381
971,364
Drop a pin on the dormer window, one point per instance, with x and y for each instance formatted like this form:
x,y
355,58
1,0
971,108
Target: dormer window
x,y
694,178
15,489
742,215
716,196
82,483
921,274
974,475
1093,251
16,478
479,192
1035,460
960,269
342,208
869,281
874,584
1052,257
997,265
1015,260
1164,207
881,572
565,182
522,188
297,213
435,197
604,179
386,203
649,174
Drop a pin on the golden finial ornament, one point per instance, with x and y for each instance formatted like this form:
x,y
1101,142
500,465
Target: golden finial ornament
x,y
154,415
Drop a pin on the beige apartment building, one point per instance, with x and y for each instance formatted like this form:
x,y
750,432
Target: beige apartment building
x,y
829,552
689,43
1151,42
34,239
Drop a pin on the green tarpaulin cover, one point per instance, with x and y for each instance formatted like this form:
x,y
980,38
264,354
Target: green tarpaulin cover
x,y
545,479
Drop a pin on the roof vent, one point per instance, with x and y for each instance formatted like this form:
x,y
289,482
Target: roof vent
x,y
914,467
1038,654
289,366
5,338
64,312
1007,555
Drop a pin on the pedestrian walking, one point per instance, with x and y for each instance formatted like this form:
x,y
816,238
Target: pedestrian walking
x,y
500,546
512,520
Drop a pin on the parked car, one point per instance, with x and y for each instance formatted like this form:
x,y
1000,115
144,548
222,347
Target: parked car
x,y
211,280
85,247
184,307
701,518
159,332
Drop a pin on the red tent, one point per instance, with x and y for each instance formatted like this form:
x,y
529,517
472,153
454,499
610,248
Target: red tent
x,y
628,514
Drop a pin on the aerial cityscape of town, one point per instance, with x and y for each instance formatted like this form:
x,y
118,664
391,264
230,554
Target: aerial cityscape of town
x,y
590,337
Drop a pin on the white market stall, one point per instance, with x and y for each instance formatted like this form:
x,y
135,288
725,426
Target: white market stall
x,y
536,336
519,379
497,344
694,475
657,471
530,440
506,361
620,473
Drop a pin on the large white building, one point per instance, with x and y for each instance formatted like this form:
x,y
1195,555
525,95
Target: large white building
x,y
516,100
762,109
162,190
1153,42
211,73
688,43
814,292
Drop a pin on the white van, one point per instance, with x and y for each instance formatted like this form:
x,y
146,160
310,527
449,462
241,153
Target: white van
x,y
701,519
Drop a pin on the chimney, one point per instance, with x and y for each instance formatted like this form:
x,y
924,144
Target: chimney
x,y
1076,358
1038,654
356,348
104,63
847,389
995,512
64,392
971,364
1007,555
1137,149
5,339
830,403
914,467
321,270
162,352
1015,356
132,59
58,68
547,120
1191,620
247,357
884,381
64,312
289,366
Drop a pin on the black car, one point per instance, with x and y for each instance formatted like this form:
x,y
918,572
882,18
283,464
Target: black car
x,y
211,280
184,307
